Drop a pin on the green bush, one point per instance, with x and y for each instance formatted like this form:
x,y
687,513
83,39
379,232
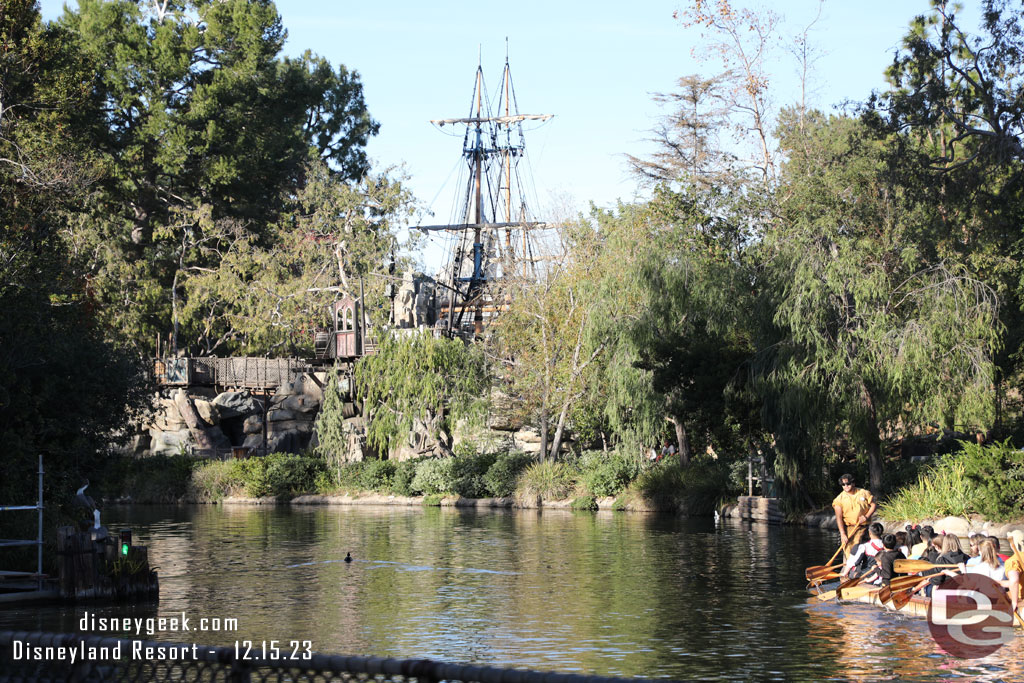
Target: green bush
x,y
468,472
704,482
607,474
289,474
324,482
996,474
434,475
253,473
502,476
377,475
279,474
159,478
401,481
433,500
548,479
663,483
347,476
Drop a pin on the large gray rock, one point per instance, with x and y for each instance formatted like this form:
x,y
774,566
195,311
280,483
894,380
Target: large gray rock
x,y
300,404
207,411
166,417
279,415
503,415
169,443
953,525
236,404
253,441
253,424
301,426
218,437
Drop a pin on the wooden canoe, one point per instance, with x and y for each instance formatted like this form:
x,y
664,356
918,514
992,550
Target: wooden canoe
x,y
917,606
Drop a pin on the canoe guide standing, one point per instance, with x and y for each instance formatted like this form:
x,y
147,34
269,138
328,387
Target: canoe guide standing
x,y
854,508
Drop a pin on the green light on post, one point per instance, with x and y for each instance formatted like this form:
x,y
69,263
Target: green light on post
x,y
126,541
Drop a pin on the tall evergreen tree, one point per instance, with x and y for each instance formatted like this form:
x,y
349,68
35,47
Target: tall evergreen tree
x,y
197,119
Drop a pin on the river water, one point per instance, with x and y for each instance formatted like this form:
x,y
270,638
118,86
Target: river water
x,y
608,593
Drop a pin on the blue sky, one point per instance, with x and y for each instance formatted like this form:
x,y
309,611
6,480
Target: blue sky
x,y
594,65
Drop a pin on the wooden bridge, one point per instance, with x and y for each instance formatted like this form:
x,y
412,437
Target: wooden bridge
x,y
228,373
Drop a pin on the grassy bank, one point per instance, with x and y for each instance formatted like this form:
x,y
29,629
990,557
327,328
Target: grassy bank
x,y
697,489
976,480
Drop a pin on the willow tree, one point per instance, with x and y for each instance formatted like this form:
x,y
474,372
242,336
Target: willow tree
x,y
865,326
690,328
419,380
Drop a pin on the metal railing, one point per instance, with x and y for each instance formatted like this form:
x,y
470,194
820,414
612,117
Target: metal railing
x,y
38,541
48,656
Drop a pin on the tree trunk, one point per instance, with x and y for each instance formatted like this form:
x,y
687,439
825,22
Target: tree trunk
x,y
872,442
560,430
543,435
683,440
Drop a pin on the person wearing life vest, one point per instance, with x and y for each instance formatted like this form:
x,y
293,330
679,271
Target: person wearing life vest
x,y
854,508
862,559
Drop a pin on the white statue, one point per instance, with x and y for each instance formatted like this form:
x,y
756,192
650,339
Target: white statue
x,y
405,302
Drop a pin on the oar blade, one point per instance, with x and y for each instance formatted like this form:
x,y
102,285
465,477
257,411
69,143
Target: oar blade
x,y
900,599
857,592
813,573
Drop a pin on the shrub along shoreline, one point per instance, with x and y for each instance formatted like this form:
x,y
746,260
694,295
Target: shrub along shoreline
x,y
591,481
983,483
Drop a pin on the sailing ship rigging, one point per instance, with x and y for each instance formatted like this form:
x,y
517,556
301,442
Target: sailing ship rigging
x,y
492,222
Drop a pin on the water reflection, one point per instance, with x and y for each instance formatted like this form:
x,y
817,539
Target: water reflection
x,y
606,593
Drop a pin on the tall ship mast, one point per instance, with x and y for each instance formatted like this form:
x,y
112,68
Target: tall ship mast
x,y
489,234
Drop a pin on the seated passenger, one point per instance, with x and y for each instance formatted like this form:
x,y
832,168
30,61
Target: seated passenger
x,y
862,558
919,541
990,564
995,542
951,554
886,560
902,543
934,549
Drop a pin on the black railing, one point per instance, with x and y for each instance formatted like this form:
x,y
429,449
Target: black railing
x,y
81,657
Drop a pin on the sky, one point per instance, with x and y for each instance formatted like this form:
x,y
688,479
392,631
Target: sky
x,y
594,65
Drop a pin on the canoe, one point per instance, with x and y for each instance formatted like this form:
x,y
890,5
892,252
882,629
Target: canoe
x,y
917,606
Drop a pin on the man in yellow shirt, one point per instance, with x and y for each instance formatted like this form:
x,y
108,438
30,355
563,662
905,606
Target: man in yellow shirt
x,y
854,508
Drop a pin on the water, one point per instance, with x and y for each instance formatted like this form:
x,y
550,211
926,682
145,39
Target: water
x,y
619,594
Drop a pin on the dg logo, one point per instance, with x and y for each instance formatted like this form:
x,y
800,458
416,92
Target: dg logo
x,y
970,616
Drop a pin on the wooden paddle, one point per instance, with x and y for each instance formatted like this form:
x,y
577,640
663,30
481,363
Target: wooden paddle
x,y
900,599
843,591
819,572
824,579
824,568
901,582
850,583
914,566
858,592
898,584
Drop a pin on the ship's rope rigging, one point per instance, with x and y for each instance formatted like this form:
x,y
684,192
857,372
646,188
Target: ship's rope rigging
x,y
493,207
